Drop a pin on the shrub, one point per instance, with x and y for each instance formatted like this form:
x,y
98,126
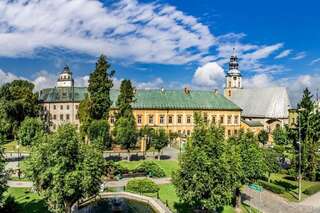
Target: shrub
x,y
142,186
150,168
288,186
113,169
312,189
292,178
272,187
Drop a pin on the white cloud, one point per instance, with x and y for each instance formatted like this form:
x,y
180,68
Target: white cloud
x,y
258,81
299,56
6,77
251,55
262,52
283,54
142,32
209,75
153,84
315,61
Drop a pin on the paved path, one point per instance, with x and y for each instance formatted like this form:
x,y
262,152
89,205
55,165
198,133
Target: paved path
x,y
20,184
116,184
313,201
272,203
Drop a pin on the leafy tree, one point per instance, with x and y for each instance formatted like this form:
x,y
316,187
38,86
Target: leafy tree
x,y
125,129
17,101
100,83
209,169
84,116
272,162
3,175
159,140
263,137
252,159
98,133
125,133
30,130
280,136
64,170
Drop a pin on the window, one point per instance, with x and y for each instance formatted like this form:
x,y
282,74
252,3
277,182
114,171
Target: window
x,y
229,93
54,127
170,120
229,119
161,119
77,116
179,119
112,119
61,117
188,119
67,117
229,132
54,117
77,106
150,119
214,119
139,119
205,117
229,84
236,119
234,78
54,107
61,107
188,132
235,131
221,119
68,107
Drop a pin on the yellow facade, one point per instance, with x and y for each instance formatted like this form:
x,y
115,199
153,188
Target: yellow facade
x,y
181,121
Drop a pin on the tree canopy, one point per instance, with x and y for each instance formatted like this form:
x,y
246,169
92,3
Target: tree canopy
x,y
209,169
98,133
100,83
159,140
64,170
17,101
30,130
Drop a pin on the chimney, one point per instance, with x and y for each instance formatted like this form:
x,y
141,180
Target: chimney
x,y
187,90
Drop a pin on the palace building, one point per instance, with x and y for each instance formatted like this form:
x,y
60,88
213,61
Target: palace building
x,y
169,109
267,107
239,108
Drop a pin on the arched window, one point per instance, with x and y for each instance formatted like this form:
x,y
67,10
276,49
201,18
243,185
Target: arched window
x,y
229,93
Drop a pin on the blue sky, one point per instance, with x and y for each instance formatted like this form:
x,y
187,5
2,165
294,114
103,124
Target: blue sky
x,y
164,43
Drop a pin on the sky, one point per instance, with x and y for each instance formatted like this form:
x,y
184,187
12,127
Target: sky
x,y
163,43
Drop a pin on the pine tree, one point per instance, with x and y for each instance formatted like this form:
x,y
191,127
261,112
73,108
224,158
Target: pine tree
x,y
125,99
100,83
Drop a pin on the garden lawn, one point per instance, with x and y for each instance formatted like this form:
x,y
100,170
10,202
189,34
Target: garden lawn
x,y
168,196
291,186
168,166
28,202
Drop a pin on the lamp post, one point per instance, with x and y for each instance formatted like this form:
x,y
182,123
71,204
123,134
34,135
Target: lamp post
x,y
299,170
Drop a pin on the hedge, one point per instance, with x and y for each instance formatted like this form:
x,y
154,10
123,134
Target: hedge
x,y
272,187
312,189
142,186
151,168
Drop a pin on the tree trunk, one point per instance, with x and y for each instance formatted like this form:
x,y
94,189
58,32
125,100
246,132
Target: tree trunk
x,y
159,154
128,155
238,198
67,207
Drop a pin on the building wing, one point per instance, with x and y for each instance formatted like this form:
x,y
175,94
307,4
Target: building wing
x,y
262,102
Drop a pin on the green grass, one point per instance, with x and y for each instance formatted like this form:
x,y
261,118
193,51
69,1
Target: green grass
x,y
12,147
291,193
28,202
167,165
168,196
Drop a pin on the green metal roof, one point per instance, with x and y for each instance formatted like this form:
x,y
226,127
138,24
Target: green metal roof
x,y
149,99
